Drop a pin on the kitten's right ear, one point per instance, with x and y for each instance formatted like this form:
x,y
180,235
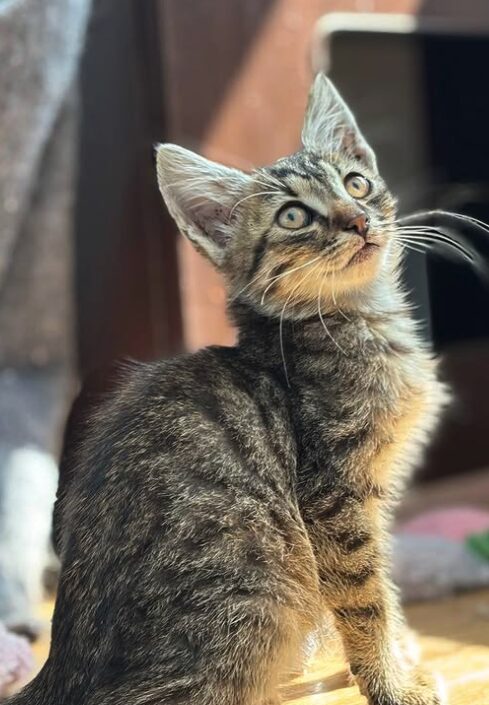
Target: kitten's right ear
x,y
200,195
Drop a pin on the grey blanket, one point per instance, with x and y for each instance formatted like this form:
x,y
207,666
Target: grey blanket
x,y
40,46
40,42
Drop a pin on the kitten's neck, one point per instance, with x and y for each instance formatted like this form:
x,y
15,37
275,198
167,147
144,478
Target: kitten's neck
x,y
380,321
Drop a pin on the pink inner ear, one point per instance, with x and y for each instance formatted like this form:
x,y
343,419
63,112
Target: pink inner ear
x,y
210,220
352,144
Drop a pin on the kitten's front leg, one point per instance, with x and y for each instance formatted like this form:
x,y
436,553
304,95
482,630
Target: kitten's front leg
x,y
356,586
371,644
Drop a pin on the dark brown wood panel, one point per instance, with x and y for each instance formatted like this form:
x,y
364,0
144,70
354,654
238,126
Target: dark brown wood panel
x,y
128,300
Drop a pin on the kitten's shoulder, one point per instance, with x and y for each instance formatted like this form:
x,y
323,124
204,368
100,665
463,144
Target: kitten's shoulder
x,y
184,376
142,401
140,395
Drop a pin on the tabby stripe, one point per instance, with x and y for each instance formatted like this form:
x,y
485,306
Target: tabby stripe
x,y
260,251
232,443
367,613
310,242
299,238
285,172
256,485
377,200
243,380
351,543
334,509
311,173
355,579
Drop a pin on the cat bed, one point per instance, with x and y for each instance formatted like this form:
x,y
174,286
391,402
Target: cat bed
x,y
441,552
16,660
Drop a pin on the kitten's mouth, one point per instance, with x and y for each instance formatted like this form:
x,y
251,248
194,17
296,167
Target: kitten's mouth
x,y
368,250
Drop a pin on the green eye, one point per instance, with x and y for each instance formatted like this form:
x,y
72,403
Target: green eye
x,y
357,186
293,217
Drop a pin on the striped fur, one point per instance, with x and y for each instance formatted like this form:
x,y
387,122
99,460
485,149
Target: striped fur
x,y
220,502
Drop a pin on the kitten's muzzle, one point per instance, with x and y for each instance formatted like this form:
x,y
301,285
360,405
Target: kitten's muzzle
x,y
351,219
359,225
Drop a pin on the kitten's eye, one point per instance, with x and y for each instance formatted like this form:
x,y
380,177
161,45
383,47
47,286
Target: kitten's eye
x,y
294,217
357,185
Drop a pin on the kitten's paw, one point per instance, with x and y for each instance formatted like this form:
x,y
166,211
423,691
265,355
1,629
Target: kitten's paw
x,y
424,689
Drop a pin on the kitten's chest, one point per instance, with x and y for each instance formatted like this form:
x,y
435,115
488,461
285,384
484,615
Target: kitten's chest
x,y
366,421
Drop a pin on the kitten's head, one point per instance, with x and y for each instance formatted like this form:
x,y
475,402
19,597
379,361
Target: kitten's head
x,y
310,230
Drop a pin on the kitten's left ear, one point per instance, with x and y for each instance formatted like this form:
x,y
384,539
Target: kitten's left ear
x,y
200,196
329,125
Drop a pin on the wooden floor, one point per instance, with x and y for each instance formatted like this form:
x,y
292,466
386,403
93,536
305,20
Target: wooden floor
x,y
454,637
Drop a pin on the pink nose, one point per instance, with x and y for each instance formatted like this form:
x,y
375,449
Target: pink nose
x,y
359,225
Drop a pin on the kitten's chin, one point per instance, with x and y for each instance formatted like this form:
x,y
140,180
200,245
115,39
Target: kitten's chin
x,y
361,269
349,287
366,253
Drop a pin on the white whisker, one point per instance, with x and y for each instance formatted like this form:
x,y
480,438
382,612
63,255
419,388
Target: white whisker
x,y
251,195
434,236
322,319
442,238
446,214
342,313
281,324
286,274
408,244
428,243
253,281
267,176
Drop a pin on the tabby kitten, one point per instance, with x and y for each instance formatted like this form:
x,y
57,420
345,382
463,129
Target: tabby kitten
x,y
222,501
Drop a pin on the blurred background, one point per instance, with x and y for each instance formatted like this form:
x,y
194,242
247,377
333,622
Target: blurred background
x,y
229,79
92,269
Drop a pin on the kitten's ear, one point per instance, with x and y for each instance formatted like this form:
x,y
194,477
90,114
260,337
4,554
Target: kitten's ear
x,y
200,195
329,125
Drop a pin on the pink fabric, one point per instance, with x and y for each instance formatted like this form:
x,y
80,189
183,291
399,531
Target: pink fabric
x,y
16,659
454,523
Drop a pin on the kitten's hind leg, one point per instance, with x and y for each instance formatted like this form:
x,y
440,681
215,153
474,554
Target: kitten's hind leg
x,y
241,666
228,639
